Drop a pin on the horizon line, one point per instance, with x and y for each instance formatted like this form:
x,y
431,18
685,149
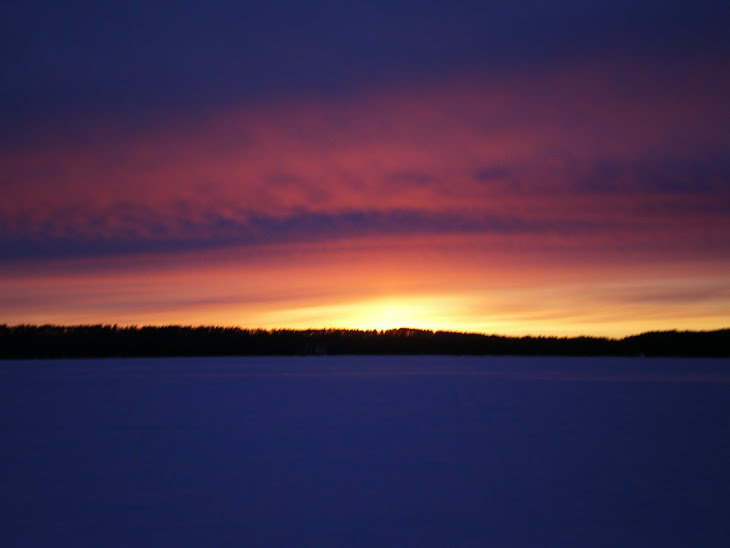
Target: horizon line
x,y
362,330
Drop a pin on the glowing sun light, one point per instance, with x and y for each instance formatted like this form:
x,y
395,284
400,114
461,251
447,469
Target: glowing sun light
x,y
392,313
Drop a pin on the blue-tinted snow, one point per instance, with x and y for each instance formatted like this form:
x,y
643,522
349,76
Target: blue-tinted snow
x,y
365,451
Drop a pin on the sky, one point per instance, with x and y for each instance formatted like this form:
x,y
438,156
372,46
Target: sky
x,y
544,168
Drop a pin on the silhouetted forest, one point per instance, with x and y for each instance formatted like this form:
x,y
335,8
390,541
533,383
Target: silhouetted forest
x,y
96,341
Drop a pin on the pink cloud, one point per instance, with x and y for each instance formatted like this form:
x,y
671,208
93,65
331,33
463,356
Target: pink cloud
x,y
528,148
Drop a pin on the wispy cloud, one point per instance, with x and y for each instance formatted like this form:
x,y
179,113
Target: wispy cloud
x,y
567,153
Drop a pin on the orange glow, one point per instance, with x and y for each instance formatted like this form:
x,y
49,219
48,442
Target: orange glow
x,y
374,287
378,312
520,206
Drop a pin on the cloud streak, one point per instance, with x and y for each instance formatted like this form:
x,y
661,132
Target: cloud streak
x,y
568,153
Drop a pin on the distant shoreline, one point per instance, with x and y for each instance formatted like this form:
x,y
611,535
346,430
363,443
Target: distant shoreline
x,y
100,341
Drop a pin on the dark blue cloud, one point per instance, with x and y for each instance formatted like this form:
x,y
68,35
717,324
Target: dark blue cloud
x,y
700,175
216,231
61,60
255,230
492,173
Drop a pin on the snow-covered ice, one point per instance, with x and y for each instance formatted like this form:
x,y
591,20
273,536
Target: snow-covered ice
x,y
365,451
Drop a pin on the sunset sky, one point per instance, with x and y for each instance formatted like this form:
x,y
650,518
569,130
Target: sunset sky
x,y
544,168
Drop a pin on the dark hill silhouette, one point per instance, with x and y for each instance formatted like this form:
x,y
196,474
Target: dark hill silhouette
x,y
96,341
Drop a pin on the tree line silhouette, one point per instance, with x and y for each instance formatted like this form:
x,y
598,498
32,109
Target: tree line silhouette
x,y
97,341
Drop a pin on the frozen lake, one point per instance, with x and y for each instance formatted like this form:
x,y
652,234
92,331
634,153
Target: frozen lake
x,y
365,451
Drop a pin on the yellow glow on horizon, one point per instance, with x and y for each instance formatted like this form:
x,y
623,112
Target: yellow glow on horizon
x,y
381,312
373,287
395,312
